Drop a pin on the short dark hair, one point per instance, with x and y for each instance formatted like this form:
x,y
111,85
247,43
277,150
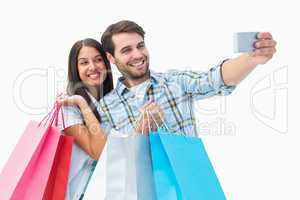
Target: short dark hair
x,y
123,26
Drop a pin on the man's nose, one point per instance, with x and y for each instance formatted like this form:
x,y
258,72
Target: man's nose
x,y
137,53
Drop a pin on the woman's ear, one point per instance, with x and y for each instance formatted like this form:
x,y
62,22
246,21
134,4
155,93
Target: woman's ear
x,y
110,58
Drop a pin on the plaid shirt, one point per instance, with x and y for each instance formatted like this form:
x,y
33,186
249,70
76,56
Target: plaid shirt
x,y
174,91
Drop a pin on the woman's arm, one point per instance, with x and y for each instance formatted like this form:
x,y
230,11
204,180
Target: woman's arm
x,y
90,137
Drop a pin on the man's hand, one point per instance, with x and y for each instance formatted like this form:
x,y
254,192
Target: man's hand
x,y
150,119
265,48
236,69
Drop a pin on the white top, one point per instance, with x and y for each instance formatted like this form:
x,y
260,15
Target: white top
x,y
82,165
139,92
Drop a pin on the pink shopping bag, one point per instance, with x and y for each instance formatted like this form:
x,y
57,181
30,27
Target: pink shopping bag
x,y
27,170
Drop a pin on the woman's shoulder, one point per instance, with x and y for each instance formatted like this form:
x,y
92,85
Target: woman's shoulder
x,y
71,109
71,116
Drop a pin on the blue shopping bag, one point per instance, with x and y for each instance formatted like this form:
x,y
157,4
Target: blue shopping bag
x,y
182,169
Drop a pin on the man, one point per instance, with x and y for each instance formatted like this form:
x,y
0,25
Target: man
x,y
172,92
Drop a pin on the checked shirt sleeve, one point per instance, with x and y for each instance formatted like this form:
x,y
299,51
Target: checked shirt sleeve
x,y
201,85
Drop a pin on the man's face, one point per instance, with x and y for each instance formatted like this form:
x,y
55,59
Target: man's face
x,y
130,56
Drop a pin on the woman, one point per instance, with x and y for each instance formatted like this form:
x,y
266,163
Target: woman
x,y
89,79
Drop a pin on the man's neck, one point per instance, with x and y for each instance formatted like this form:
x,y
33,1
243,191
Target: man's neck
x,y
134,82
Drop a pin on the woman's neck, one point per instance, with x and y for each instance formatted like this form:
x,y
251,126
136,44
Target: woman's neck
x,y
94,91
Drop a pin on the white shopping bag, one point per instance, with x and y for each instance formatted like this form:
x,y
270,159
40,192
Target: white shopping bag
x,y
124,170
97,185
129,169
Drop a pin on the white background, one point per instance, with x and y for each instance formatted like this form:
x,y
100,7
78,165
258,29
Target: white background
x,y
251,135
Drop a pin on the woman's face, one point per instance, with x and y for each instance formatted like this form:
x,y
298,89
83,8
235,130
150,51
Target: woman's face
x,y
91,67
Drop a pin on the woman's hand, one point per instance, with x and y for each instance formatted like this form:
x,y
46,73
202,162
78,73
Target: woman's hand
x,y
74,100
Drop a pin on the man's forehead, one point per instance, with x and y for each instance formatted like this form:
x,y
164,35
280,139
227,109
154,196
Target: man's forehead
x,y
121,40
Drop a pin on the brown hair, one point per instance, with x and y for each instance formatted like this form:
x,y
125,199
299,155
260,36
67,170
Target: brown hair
x,y
75,84
124,26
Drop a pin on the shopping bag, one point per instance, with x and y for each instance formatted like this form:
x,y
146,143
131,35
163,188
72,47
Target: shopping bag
x,y
182,169
129,168
97,183
81,170
27,170
58,179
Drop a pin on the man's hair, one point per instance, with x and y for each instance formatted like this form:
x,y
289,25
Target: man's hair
x,y
124,26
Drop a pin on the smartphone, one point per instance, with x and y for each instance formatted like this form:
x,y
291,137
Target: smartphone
x,y
244,41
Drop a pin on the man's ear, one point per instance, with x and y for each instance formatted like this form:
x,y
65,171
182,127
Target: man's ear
x,y
110,58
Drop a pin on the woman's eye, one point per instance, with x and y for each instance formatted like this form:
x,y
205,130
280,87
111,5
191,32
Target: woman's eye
x,y
99,60
83,63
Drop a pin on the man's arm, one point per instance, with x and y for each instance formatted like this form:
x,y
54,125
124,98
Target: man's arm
x,y
235,70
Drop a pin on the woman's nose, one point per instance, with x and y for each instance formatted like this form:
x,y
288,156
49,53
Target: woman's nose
x,y
92,65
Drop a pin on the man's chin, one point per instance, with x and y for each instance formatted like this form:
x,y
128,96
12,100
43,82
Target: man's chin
x,y
139,75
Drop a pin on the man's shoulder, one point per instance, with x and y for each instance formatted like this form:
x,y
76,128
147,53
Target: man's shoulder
x,y
174,76
168,75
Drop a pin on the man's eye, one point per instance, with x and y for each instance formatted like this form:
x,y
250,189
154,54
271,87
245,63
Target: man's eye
x,y
126,51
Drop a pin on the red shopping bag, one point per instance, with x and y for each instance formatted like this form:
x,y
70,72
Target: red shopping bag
x,y
26,173
58,180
